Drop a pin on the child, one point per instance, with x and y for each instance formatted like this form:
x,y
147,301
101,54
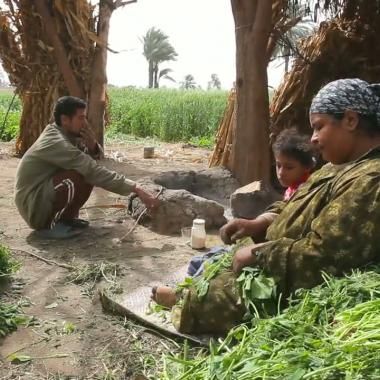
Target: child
x,y
294,163
294,160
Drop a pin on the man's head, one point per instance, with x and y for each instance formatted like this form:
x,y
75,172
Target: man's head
x,y
70,114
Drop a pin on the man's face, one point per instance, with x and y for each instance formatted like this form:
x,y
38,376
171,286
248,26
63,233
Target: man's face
x,y
74,124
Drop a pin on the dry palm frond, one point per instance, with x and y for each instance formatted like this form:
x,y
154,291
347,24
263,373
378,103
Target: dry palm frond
x,y
221,153
340,49
27,57
30,59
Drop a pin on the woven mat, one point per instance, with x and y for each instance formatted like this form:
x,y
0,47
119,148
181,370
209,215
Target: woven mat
x,y
135,305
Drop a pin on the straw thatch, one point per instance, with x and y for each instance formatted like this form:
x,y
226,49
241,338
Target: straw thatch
x,y
223,145
28,58
55,48
348,47
340,49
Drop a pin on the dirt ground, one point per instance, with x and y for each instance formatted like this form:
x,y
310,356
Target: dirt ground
x,y
102,346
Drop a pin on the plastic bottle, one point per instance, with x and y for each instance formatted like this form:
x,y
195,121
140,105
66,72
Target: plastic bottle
x,y
198,234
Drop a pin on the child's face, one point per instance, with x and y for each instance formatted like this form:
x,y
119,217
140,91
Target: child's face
x,y
289,170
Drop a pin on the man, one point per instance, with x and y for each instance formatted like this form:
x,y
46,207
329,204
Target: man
x,y
57,174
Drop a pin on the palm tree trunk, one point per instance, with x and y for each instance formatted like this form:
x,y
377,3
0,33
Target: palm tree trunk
x,y
250,156
150,73
98,86
156,76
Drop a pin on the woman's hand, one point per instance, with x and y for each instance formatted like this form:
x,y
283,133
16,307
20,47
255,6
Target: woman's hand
x,y
240,228
235,230
245,257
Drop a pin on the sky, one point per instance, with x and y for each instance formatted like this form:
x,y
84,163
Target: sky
x,y
201,31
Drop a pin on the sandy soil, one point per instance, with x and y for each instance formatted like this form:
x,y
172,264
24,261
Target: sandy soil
x,y
102,346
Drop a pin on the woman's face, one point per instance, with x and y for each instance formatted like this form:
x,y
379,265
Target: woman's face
x,y
335,139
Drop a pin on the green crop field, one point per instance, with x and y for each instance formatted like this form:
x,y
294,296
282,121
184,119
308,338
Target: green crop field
x,y
169,115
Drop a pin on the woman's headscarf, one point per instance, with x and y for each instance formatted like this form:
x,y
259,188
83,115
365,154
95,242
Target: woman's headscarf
x,y
348,94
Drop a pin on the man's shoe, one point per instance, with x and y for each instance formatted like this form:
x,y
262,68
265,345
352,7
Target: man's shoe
x,y
58,232
76,223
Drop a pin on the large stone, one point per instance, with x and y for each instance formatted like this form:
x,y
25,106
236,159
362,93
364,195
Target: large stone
x,y
215,183
187,195
178,209
251,200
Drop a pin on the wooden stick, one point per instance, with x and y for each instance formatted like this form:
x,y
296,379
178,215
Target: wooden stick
x,y
116,205
47,261
143,212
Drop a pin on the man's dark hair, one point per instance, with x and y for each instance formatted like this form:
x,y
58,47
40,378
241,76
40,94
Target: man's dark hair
x,y
67,105
290,143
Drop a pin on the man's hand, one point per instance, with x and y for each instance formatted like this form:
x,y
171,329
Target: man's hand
x,y
235,230
150,201
88,137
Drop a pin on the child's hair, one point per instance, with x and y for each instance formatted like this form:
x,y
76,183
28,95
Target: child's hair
x,y
290,143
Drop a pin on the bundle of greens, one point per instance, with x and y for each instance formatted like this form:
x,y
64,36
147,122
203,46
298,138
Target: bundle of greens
x,y
329,332
258,292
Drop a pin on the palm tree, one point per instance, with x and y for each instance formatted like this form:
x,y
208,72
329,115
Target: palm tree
x,y
189,83
214,83
287,45
163,74
157,49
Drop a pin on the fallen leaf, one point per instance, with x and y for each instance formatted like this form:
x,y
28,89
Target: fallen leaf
x,y
52,305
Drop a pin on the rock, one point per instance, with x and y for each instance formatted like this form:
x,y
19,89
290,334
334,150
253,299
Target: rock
x,y
214,183
178,208
187,195
251,200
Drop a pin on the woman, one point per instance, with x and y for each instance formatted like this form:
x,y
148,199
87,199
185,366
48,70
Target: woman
x,y
331,224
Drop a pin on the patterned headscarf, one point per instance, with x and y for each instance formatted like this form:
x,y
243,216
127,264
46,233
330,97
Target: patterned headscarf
x,y
348,94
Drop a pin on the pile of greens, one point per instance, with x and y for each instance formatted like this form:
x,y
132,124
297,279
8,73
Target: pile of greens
x,y
11,314
329,332
257,291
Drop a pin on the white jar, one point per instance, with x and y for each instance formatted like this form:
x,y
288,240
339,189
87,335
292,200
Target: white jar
x,y
198,234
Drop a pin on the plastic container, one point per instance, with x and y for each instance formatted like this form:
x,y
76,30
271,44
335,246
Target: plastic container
x,y
198,234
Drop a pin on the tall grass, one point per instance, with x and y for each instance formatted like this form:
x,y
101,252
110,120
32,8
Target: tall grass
x,y
9,129
169,115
